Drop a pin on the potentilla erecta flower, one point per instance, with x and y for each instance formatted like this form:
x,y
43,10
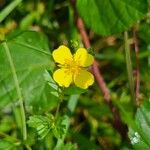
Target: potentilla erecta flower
x,y
73,68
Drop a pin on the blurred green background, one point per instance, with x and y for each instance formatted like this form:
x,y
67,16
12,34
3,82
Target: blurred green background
x,y
33,29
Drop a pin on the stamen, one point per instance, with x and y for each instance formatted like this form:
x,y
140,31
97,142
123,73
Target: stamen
x,y
72,66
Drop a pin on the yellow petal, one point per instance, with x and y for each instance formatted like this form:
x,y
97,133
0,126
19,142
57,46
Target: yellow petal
x,y
82,57
83,79
62,54
63,77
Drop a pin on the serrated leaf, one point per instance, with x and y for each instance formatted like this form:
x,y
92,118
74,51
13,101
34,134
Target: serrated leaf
x,y
106,17
42,124
61,127
31,57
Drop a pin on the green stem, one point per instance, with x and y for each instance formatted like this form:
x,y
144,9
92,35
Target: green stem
x,y
6,11
23,118
57,110
72,103
129,66
28,147
61,97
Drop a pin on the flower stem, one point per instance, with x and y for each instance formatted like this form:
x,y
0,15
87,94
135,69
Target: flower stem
x,y
61,97
129,65
13,70
57,110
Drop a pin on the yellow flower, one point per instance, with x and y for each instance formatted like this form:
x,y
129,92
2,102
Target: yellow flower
x,y
73,67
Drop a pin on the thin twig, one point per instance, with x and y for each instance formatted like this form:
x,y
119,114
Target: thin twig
x,y
118,124
137,82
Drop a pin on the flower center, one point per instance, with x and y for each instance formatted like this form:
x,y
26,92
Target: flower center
x,y
72,66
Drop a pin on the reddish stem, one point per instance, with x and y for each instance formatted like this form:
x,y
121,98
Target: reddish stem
x,y
95,69
118,124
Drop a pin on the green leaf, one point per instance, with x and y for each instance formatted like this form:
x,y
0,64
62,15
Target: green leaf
x,y
31,57
54,88
67,146
144,32
74,90
106,17
61,127
140,135
84,142
9,144
42,124
136,140
5,124
72,103
6,145
45,124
